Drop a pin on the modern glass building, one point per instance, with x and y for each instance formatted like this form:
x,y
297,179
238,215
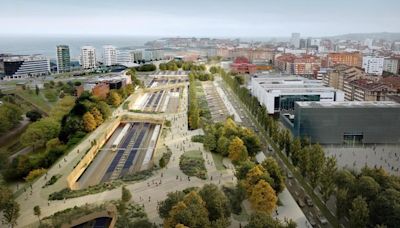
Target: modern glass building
x,y
63,59
21,67
347,122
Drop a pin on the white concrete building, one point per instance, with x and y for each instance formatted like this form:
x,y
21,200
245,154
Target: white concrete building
x,y
373,65
124,56
279,93
391,65
88,57
109,55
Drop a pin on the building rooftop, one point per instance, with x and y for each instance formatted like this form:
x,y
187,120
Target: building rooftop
x,y
349,104
290,83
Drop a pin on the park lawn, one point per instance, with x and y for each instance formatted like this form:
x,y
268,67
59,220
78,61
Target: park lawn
x,y
192,164
218,161
37,100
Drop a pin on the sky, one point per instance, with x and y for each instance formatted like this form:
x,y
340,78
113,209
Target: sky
x,y
206,18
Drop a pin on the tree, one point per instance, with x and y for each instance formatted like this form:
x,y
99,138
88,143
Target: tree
x,y
37,212
275,172
37,90
11,213
209,141
172,199
126,195
385,209
316,164
344,179
114,99
10,115
98,117
263,197
295,151
191,212
217,203
33,115
367,187
304,160
5,196
222,146
251,141
327,181
243,168
359,213
89,122
261,219
254,175
341,202
39,132
237,150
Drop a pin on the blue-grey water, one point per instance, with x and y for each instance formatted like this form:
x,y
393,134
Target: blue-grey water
x,y
27,45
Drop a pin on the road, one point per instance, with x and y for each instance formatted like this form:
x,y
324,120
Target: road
x,y
295,188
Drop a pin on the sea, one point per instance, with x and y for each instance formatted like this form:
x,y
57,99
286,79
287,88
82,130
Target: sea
x,y
46,45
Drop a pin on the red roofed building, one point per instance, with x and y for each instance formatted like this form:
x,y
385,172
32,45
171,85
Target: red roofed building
x,y
242,65
298,65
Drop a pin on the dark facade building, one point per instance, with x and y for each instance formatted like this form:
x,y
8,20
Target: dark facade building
x,y
347,122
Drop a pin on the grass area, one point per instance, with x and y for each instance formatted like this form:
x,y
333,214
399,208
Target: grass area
x,y
192,164
218,161
36,100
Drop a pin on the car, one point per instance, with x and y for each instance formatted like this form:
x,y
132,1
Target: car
x,y
309,201
269,148
300,202
289,175
312,221
322,220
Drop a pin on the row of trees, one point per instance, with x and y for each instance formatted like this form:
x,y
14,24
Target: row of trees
x,y
146,67
193,113
201,76
229,139
9,208
206,207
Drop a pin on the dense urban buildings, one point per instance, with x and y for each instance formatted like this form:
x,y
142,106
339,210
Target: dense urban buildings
x,y
88,57
304,65
63,59
279,93
347,122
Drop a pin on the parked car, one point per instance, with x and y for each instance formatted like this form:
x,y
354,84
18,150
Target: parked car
x,y
322,220
289,175
309,201
300,202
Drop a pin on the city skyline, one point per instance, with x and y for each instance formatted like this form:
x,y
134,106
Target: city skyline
x,y
205,18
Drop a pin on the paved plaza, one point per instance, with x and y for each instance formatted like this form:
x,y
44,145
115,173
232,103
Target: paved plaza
x,y
385,156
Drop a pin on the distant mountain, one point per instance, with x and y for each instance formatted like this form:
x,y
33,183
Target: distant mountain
x,y
363,36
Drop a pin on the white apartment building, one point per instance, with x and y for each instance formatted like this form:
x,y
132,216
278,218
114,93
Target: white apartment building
x,y
279,93
373,65
124,56
88,57
391,65
109,55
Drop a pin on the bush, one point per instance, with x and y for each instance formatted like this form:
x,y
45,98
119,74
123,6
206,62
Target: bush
x,y
52,180
198,138
67,193
165,158
33,174
193,166
33,115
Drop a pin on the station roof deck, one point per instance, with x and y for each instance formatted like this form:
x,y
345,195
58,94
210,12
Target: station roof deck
x,y
348,104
